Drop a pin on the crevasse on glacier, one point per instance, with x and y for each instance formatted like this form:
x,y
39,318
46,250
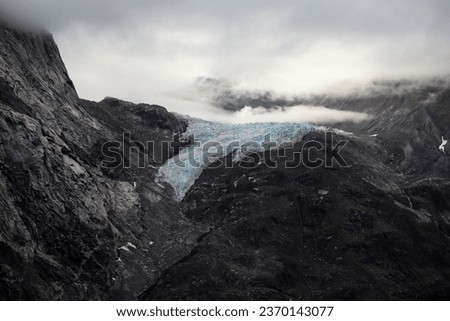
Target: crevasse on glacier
x,y
181,178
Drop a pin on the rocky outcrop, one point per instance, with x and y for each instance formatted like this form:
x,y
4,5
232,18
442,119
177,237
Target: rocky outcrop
x,y
69,228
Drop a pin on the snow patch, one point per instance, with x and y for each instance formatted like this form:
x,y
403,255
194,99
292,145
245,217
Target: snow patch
x,y
129,244
441,146
127,247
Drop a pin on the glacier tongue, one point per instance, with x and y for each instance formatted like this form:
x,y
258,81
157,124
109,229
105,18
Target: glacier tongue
x,y
181,178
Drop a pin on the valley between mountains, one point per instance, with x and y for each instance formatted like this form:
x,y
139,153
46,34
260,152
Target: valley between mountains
x,y
71,229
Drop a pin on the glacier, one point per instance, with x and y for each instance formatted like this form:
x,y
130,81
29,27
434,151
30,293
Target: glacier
x,y
181,178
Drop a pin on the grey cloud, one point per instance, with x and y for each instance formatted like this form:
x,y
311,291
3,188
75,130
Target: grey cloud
x,y
154,50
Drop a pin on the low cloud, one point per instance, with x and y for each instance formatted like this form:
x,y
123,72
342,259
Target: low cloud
x,y
298,114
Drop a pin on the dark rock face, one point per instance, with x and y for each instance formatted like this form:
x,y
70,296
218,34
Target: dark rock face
x,y
134,127
70,229
357,233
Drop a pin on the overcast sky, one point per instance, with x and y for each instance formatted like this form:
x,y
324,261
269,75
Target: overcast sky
x,y
154,51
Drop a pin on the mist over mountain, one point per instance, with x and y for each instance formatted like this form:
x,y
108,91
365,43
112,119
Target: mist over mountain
x,y
90,211
221,93
153,50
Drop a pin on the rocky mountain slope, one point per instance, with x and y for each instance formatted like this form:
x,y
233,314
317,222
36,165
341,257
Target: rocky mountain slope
x,y
73,229
411,120
315,234
68,229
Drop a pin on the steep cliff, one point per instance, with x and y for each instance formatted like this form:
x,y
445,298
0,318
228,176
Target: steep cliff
x,y
68,229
